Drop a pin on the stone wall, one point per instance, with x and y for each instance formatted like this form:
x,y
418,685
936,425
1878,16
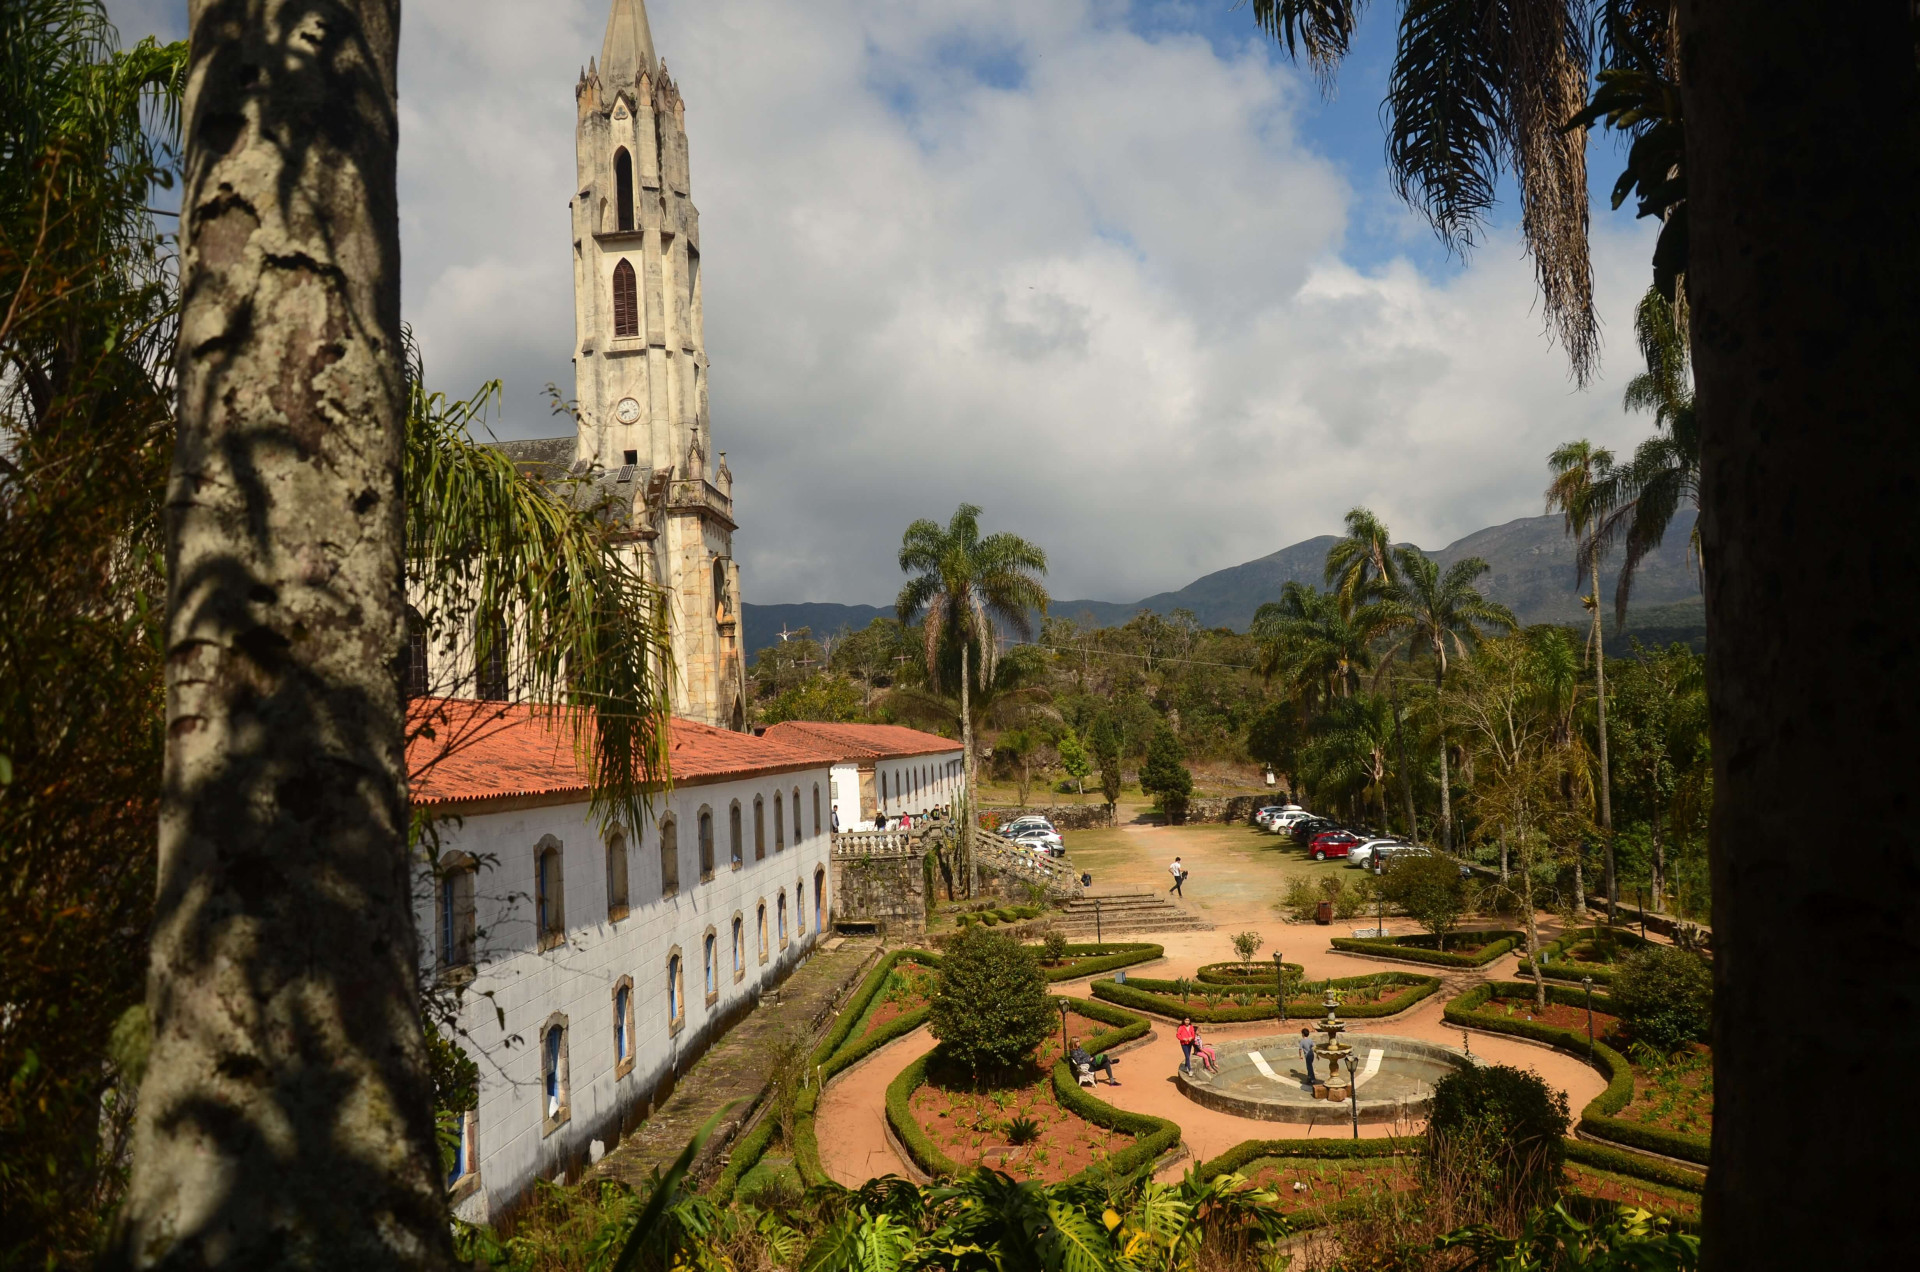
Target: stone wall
x,y
888,890
1226,808
1063,816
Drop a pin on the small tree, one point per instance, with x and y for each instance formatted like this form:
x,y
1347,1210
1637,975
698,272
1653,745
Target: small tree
x,y
1664,997
1106,753
1246,945
1430,891
990,1008
1074,759
1165,776
1495,1140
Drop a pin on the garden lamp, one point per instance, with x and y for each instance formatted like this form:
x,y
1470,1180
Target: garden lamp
x,y
1353,1089
1064,1047
1280,985
1587,981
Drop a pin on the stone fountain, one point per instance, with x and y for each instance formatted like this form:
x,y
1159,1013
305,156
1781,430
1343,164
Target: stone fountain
x,y
1333,1051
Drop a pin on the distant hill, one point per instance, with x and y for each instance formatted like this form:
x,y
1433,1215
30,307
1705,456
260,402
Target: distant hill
x,y
1532,574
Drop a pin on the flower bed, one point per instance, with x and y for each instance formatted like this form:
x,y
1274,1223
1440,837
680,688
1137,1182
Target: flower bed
x,y
1244,975
1577,953
1150,1136
907,990
1094,960
1367,997
1469,949
1601,1117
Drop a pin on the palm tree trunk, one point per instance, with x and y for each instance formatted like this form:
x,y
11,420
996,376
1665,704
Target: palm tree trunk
x,y
1406,774
285,1119
1803,313
1606,776
966,751
1446,783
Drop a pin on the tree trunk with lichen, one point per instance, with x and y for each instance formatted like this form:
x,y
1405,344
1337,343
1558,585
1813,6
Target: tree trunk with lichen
x,y
285,1117
1803,184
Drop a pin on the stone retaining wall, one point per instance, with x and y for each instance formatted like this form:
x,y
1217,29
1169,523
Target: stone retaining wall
x,y
1063,816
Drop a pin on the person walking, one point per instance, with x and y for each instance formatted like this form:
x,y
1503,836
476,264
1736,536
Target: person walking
x,y
1185,1035
1306,1053
1179,873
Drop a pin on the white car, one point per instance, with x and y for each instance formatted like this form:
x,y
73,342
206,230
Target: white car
x,y
1284,820
1031,821
1361,854
1041,840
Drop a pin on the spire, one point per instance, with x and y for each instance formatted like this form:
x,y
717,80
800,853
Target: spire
x,y
628,49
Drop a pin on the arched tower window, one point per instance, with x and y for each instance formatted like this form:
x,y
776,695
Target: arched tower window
x,y
626,301
720,598
623,188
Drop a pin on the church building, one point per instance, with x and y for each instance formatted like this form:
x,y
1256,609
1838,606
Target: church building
x,y
592,963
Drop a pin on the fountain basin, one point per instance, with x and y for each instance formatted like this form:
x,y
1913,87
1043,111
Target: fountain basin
x,y
1395,1086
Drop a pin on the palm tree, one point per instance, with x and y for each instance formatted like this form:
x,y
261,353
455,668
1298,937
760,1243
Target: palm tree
x,y
1361,563
963,583
1349,749
1641,499
1312,643
1436,611
1583,481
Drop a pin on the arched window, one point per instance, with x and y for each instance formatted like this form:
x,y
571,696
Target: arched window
x,y
739,947
616,877
456,911
676,992
623,188
779,822
414,678
783,918
553,1074
796,818
711,947
819,900
721,602
490,660
706,844
669,857
622,1027
799,907
549,893
733,833
816,808
759,828
626,301
761,913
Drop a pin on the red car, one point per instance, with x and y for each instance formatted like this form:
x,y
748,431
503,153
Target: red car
x,y
1332,843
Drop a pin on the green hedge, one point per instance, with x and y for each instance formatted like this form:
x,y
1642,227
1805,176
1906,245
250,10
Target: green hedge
x,y
1131,995
1570,970
1154,1135
1245,976
1247,1151
1092,960
1634,1165
1415,949
1598,1117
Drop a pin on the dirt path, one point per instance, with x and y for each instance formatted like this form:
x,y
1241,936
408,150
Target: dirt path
x,y
852,1122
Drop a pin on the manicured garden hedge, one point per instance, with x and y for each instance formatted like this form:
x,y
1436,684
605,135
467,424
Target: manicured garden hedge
x,y
1154,1135
1634,1165
1597,1118
1093,960
1425,949
1244,975
1558,968
1247,1151
1133,995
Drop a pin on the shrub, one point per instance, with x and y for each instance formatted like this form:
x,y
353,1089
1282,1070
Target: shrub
x,y
1022,1130
1495,1138
1664,997
1246,945
1302,899
1430,890
1055,946
990,1008
1165,776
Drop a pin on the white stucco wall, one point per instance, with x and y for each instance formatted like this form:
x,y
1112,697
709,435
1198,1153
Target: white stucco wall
x,y
916,783
577,979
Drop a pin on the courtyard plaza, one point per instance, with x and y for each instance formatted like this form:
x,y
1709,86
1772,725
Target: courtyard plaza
x,y
1238,877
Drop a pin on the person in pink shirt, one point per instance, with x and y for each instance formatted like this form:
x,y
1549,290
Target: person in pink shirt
x,y
1186,1035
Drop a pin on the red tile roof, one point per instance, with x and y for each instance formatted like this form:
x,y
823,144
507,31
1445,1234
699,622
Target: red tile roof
x,y
858,741
460,751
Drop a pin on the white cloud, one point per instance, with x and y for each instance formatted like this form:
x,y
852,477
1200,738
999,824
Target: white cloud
x,y
1014,254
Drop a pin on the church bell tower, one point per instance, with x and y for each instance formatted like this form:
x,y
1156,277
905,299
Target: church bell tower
x,y
640,361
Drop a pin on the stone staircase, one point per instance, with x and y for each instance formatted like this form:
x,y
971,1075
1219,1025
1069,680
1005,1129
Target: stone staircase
x,y
1126,913
1002,855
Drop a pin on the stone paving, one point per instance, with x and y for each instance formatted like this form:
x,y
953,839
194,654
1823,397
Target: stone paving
x,y
735,1068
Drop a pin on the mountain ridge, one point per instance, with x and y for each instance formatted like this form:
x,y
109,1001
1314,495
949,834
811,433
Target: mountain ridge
x,y
1532,572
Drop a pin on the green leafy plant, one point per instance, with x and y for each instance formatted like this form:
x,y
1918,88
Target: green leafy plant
x,y
1664,997
1431,892
1055,947
1246,945
1022,1130
1495,1137
990,1007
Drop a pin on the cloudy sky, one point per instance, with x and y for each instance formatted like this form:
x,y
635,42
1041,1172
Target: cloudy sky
x,y
1116,272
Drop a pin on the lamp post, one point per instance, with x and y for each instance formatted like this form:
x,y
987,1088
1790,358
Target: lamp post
x,y
1379,899
1587,982
1064,1047
1353,1089
1280,985
1097,938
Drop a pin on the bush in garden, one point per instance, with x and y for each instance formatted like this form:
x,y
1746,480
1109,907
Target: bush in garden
x,y
990,1007
1302,898
1055,946
1165,776
1246,945
1496,1139
1664,997
1430,890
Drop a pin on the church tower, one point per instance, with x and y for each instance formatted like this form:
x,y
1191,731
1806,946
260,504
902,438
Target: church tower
x,y
640,361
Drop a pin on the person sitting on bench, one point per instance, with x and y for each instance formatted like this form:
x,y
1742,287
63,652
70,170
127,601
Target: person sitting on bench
x,y
1081,1060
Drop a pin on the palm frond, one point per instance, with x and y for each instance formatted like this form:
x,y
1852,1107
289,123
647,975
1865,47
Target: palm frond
x,y
1322,29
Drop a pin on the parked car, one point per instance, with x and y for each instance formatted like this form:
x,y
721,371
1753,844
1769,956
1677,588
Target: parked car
x,y
1306,828
1361,854
1269,817
1032,821
1332,843
1396,852
1041,840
